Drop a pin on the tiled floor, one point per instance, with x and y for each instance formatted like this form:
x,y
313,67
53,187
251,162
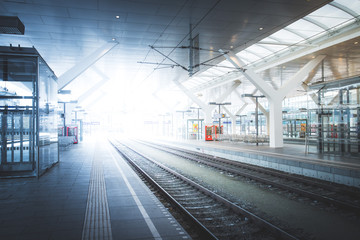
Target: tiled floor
x,y
54,206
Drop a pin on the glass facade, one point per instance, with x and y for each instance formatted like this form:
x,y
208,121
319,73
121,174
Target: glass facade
x,y
334,126
48,123
28,100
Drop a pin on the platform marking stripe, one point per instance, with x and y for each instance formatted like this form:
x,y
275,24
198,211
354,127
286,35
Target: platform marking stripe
x,y
145,215
97,223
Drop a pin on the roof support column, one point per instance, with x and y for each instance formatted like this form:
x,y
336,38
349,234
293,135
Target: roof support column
x,y
233,116
203,106
233,120
274,97
275,122
226,93
222,98
206,108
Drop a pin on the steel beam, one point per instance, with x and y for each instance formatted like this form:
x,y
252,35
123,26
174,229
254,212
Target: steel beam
x,y
190,95
335,99
226,94
300,76
164,103
301,50
345,9
341,35
80,67
217,81
96,87
249,74
203,106
95,100
233,116
233,119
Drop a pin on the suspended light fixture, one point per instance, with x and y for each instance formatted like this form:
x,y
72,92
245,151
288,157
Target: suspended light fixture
x,y
11,25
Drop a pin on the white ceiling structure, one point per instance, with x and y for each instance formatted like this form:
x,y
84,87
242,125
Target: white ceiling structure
x,y
274,37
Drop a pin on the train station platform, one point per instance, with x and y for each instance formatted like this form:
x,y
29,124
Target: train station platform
x,y
292,158
92,193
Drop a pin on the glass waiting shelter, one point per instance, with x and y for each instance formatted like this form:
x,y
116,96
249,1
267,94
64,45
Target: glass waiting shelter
x,y
28,116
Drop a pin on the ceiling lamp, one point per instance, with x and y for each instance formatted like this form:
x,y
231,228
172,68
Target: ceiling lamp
x,y
11,25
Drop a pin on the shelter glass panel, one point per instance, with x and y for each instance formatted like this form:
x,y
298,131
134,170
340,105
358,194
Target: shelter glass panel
x,y
28,99
48,132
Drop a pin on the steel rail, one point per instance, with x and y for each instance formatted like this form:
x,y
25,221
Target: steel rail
x,y
302,192
291,177
202,230
237,209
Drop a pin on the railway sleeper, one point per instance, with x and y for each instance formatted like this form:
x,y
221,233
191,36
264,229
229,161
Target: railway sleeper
x,y
177,193
278,231
214,213
177,185
200,198
194,206
195,202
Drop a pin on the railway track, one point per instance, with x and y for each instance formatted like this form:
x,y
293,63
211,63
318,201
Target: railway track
x,y
339,196
214,216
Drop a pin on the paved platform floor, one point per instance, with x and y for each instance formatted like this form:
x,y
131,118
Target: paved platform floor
x,y
291,158
294,151
91,194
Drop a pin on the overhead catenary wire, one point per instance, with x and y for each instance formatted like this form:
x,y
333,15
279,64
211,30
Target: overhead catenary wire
x,y
185,37
161,34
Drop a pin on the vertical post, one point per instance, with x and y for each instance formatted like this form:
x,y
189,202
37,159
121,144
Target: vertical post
x,y
163,122
320,143
172,124
233,124
81,130
3,136
36,118
240,125
208,119
342,122
183,123
227,125
219,121
12,136
21,136
348,128
198,121
191,50
358,128
219,104
187,129
198,131
256,120
64,119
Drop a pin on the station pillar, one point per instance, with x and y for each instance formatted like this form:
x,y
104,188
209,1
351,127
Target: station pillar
x,y
276,128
